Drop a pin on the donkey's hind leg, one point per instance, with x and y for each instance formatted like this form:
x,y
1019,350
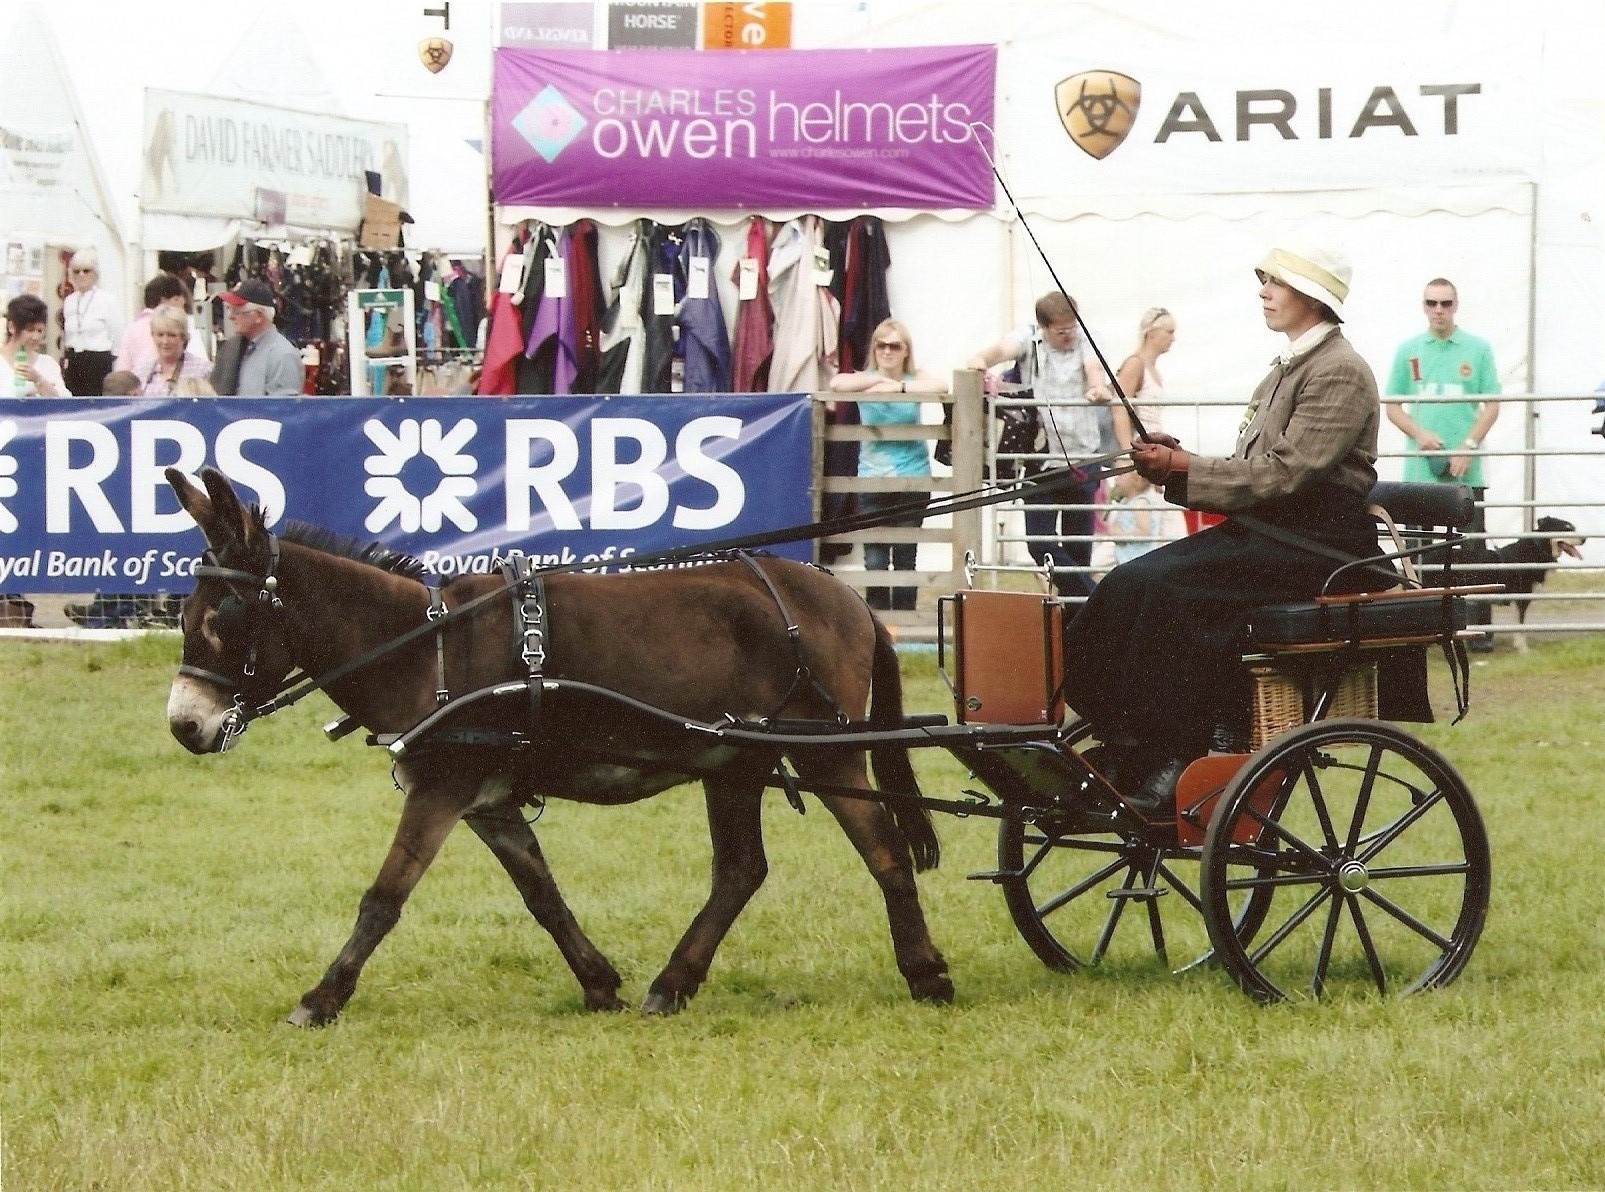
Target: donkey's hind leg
x,y
869,826
505,833
735,823
430,812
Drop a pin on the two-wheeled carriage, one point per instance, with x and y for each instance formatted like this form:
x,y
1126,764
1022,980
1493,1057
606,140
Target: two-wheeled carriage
x,y
1338,851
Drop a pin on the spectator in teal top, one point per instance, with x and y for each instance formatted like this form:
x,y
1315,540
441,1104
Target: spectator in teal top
x,y
892,371
1445,361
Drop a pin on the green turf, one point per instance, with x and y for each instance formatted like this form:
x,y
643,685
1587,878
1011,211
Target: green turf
x,y
162,913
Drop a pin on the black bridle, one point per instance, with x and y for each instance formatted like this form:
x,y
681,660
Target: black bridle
x,y
241,612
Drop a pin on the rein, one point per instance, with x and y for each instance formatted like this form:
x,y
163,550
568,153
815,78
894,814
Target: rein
x,y
296,687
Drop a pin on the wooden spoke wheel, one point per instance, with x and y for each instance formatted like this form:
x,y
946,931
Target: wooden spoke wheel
x,y
1369,858
1080,894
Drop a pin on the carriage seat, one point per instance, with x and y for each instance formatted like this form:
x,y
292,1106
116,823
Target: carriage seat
x,y
1411,614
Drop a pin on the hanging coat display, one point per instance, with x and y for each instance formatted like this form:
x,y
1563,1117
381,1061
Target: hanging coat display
x,y
867,302
585,305
806,313
550,346
504,342
535,365
660,299
755,317
624,335
703,343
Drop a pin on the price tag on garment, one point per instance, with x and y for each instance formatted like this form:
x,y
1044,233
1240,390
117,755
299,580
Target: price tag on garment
x,y
748,279
822,270
512,275
556,278
663,293
431,291
696,282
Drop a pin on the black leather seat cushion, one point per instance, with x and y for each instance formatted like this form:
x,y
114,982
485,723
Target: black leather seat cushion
x,y
1305,622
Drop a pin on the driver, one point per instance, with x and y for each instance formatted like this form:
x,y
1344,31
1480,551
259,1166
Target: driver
x,y
1153,656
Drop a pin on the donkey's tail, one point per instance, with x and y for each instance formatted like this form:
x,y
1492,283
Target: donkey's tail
x,y
893,771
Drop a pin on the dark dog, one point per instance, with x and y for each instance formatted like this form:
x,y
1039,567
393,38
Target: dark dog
x,y
1520,566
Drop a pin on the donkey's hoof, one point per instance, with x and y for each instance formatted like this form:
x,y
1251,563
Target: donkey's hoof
x,y
606,1000
305,1015
937,989
664,1003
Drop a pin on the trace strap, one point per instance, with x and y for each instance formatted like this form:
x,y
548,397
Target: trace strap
x,y
297,687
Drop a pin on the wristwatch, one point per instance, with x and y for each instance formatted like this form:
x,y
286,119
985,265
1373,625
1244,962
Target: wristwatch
x,y
1473,444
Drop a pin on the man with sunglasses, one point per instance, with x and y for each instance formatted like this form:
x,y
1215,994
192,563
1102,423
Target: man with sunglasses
x,y
1445,361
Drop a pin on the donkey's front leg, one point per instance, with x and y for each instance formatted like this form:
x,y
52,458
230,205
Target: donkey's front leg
x,y
427,819
506,834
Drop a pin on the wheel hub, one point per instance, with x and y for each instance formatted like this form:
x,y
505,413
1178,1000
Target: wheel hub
x,y
1353,877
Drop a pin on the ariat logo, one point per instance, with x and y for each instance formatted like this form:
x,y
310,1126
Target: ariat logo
x,y
434,53
1097,109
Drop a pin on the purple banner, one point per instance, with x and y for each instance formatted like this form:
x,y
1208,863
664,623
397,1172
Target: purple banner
x,y
782,128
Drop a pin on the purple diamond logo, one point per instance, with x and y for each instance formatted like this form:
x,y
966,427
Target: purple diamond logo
x,y
549,122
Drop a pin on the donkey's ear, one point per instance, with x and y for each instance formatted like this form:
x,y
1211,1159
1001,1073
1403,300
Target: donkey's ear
x,y
217,511
196,503
226,505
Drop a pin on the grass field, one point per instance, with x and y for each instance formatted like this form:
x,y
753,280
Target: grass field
x,y
163,913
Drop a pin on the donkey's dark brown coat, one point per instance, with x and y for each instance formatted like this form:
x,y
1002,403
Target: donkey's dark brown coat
x,y
699,642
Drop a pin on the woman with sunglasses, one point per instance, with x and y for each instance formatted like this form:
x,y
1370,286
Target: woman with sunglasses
x,y
892,371
25,371
92,326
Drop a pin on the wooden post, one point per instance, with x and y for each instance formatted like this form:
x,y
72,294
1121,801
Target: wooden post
x,y
969,451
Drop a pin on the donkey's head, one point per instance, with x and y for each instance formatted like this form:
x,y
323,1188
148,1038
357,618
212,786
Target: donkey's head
x,y
235,651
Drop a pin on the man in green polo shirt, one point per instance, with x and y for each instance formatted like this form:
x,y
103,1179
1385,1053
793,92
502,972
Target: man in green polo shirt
x,y
1445,361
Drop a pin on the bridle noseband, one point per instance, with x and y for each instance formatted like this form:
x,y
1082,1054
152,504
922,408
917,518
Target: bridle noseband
x,y
251,611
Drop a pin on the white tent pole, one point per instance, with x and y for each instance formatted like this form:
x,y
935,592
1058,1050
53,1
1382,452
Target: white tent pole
x,y
1529,484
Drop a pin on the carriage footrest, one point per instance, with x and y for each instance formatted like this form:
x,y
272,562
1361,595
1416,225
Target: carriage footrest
x,y
1141,893
994,875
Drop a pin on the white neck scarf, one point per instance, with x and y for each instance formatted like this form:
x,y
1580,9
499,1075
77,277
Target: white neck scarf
x,y
1306,341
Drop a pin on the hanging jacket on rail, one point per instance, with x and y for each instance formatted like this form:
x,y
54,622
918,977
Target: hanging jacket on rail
x,y
585,301
755,317
504,342
703,341
663,253
624,335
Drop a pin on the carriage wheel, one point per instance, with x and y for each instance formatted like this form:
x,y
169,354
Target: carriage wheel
x,y
1078,896
1372,852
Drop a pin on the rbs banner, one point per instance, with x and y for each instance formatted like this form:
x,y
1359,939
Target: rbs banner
x,y
788,128
457,482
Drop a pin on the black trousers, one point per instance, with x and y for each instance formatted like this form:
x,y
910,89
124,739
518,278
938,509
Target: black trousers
x,y
85,372
1154,656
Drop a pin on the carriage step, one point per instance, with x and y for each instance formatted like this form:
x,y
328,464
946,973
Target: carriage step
x,y
1141,893
994,875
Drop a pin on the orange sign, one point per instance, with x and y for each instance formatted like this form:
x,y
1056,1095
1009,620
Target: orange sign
x,y
756,25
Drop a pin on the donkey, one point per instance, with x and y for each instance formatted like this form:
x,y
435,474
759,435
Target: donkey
x,y
701,642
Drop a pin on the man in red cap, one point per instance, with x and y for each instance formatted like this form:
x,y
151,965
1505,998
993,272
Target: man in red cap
x,y
257,360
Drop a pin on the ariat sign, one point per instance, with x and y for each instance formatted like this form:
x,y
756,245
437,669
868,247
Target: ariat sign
x,y
1193,117
1098,109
